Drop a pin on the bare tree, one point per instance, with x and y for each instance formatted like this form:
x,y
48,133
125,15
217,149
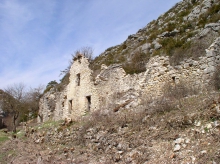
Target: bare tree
x,y
85,51
19,103
13,101
32,98
16,90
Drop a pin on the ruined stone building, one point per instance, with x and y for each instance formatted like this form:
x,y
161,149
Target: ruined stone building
x,y
113,89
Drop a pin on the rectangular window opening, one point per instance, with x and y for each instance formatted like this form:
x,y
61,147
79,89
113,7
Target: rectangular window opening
x,y
88,98
78,79
70,104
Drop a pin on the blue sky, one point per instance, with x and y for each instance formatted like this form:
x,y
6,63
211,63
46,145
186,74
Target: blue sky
x,y
37,37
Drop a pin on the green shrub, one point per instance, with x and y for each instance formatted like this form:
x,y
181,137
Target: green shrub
x,y
124,46
214,9
183,13
169,44
210,16
137,64
110,48
170,27
188,25
109,59
152,36
50,85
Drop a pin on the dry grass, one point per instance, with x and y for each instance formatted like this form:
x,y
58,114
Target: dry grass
x,y
150,130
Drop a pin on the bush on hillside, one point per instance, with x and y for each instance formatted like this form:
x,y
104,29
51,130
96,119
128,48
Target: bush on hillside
x,y
170,44
210,16
137,63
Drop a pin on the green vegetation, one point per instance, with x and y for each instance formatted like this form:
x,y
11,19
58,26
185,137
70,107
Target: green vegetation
x,y
210,16
50,85
3,137
137,63
169,44
48,124
170,27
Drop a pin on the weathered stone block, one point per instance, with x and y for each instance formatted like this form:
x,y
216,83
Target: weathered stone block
x,y
209,69
210,53
203,66
195,63
211,63
186,65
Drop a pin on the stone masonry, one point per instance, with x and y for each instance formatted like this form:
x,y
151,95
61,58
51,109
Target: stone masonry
x,y
113,89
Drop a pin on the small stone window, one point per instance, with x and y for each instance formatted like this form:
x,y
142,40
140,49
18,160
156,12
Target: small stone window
x,y
70,104
78,79
88,99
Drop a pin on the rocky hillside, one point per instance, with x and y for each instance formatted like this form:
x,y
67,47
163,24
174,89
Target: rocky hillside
x,y
161,134
185,31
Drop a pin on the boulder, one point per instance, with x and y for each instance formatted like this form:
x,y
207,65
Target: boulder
x,y
168,34
213,26
146,47
164,34
157,45
177,147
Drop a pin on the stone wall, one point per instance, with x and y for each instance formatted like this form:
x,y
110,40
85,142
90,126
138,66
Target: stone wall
x,y
80,88
53,106
113,89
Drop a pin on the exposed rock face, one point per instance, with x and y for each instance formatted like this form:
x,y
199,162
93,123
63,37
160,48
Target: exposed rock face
x,y
189,22
113,89
198,10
